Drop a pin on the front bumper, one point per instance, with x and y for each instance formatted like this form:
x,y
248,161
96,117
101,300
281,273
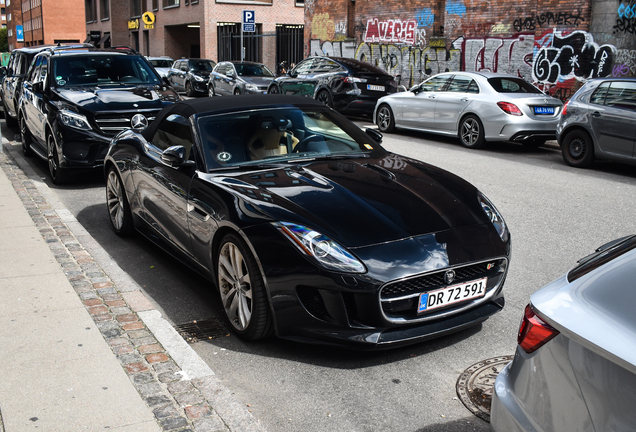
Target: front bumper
x,y
313,305
80,150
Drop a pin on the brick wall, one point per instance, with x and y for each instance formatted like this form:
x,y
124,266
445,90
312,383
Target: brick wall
x,y
555,44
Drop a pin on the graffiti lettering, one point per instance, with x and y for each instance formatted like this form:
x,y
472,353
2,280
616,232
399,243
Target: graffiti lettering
x,y
547,19
425,17
575,55
455,7
625,25
627,10
390,31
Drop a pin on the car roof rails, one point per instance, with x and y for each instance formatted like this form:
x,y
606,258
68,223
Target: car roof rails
x,y
122,48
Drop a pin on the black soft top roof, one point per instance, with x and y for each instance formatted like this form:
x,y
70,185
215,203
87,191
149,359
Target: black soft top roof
x,y
188,108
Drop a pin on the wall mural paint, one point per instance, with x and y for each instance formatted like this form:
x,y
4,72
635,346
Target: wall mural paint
x,y
555,60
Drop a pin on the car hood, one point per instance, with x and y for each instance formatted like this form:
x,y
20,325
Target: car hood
x,y
360,202
258,80
203,74
118,98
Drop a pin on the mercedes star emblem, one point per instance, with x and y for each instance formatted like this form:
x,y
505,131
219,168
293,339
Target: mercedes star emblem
x,y
449,276
139,121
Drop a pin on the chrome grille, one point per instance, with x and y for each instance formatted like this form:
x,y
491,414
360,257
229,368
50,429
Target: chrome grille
x,y
112,124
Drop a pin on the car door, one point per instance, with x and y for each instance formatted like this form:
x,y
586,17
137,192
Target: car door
x,y
452,102
177,75
162,188
419,111
294,83
226,79
35,107
614,122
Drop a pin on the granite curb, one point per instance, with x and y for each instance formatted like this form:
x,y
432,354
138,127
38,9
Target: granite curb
x,y
178,387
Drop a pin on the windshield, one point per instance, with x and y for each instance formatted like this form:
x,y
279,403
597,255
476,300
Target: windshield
x,y
281,135
161,63
252,70
512,85
102,70
202,65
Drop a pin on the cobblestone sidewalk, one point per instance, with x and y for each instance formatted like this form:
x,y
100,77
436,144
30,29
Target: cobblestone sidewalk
x,y
178,403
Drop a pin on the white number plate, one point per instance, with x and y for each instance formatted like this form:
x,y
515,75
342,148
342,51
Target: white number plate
x,y
375,87
452,294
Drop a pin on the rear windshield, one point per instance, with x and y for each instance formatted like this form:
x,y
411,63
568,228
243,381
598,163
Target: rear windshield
x,y
102,70
512,85
358,66
161,63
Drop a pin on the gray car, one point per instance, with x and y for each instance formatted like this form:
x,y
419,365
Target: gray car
x,y
599,122
235,78
477,107
575,364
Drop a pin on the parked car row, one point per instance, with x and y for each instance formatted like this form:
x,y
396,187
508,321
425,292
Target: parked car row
x,y
268,180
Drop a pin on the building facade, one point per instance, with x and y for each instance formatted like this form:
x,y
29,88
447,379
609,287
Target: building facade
x,y
199,28
556,45
37,22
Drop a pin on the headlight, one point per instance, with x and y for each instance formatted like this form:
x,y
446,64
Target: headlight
x,y
251,87
494,216
74,120
328,253
199,78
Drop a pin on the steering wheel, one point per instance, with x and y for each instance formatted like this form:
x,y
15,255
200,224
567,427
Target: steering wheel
x,y
302,144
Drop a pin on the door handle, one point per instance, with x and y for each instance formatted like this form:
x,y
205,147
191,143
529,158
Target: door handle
x,y
464,99
596,114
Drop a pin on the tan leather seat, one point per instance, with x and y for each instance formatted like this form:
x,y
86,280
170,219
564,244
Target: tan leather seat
x,y
266,140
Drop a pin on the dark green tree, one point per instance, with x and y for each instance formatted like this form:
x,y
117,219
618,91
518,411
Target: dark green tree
x,y
4,45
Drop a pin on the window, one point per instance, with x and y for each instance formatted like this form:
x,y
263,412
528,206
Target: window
x,y
463,84
174,130
170,3
622,94
104,9
598,97
262,2
304,68
436,83
135,8
91,12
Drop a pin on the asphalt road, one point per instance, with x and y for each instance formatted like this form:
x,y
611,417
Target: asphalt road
x,y
556,215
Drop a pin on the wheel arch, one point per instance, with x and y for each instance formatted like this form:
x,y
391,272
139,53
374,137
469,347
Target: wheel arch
x,y
221,232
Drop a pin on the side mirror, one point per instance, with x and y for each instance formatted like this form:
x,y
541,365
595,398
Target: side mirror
x,y
37,87
9,71
377,136
184,68
175,156
230,74
416,89
292,74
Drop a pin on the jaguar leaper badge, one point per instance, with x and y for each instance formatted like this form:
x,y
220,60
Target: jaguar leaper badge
x,y
449,276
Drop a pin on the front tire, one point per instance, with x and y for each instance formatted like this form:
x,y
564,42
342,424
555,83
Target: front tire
x,y
58,175
237,92
242,290
211,92
471,132
25,138
577,149
324,97
118,207
189,89
385,119
273,90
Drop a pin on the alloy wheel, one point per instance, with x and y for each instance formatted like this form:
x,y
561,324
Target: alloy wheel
x,y
115,201
235,286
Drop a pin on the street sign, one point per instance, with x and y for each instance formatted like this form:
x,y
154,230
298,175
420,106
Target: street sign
x,y
249,21
19,32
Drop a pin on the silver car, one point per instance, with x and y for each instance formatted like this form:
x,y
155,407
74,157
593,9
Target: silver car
x,y
161,64
599,122
475,106
575,364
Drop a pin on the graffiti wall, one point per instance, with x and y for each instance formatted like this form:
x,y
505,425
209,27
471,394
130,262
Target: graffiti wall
x,y
554,49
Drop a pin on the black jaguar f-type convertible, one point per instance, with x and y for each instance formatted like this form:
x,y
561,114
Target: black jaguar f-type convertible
x,y
306,225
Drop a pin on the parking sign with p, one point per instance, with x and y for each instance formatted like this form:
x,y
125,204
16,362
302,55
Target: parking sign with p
x,y
249,21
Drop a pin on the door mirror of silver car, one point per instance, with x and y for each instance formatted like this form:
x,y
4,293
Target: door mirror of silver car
x,y
230,74
415,89
377,136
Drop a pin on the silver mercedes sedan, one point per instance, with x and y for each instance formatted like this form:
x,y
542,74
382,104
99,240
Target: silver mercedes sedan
x,y
575,364
477,107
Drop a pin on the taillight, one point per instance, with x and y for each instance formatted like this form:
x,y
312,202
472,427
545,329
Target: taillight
x,y
509,108
534,332
565,108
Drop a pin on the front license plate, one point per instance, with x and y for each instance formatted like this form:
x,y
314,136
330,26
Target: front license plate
x,y
375,87
452,294
543,110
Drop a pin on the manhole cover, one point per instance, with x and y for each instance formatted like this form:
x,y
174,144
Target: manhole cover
x,y
196,331
476,384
